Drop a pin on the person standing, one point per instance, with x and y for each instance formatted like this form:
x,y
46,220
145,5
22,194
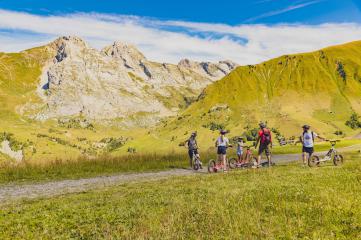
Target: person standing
x,y
192,148
265,143
222,143
307,139
240,145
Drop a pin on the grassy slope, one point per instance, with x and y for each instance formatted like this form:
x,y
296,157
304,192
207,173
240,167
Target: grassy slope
x,y
287,92
285,202
288,85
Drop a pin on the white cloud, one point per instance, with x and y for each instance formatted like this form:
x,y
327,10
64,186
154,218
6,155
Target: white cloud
x,y
284,10
169,41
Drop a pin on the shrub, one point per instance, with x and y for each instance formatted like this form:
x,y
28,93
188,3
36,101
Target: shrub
x,y
251,134
113,143
338,132
77,123
131,150
353,122
341,70
214,126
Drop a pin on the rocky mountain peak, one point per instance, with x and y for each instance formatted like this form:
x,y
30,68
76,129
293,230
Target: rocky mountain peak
x,y
130,55
69,41
187,63
67,46
231,65
118,82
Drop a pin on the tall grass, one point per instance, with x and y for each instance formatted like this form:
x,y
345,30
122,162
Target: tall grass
x,y
84,167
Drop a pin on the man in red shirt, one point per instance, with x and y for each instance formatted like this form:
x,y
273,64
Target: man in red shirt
x,y
265,143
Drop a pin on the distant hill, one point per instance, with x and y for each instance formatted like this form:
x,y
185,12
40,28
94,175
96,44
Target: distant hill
x,y
321,88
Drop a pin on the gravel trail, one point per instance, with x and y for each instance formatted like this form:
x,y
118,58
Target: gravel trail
x,y
11,192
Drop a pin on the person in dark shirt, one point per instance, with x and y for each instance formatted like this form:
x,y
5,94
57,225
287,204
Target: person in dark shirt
x,y
192,147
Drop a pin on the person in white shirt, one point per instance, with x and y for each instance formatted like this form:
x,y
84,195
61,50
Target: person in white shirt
x,y
307,139
222,143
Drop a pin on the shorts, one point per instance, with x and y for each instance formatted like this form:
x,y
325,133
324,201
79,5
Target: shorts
x,y
264,148
308,150
222,150
191,152
239,153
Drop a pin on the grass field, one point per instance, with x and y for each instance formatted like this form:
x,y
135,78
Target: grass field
x,y
110,165
284,202
320,146
83,168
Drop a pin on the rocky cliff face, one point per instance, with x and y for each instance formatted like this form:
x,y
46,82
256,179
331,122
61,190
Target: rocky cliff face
x,y
118,82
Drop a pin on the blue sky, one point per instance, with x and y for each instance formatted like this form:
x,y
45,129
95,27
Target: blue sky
x,y
243,31
231,12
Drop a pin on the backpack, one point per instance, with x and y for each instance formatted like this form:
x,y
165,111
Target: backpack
x,y
266,137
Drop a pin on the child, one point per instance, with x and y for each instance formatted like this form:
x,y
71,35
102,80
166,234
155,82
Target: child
x,y
222,144
240,145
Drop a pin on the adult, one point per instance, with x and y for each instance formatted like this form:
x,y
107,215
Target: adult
x,y
222,143
192,147
307,139
264,139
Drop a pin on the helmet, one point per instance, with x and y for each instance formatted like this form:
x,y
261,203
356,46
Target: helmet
x,y
306,127
194,134
223,131
262,125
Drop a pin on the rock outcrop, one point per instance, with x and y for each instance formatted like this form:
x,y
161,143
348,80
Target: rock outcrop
x,y
118,82
5,148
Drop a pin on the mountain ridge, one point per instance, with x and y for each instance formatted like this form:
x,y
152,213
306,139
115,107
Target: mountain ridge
x,y
116,82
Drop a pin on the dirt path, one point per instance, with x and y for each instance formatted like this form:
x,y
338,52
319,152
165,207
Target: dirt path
x,y
13,192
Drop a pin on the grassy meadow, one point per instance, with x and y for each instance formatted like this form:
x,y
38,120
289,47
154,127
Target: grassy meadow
x,y
108,164
284,202
84,168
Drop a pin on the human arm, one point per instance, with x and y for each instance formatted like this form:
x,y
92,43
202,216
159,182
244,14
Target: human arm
x,y
319,137
186,143
322,138
228,144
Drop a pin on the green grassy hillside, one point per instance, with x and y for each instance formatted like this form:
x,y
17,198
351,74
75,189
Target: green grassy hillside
x,y
321,88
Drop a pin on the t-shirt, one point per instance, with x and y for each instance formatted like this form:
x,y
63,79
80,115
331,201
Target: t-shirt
x,y
192,144
261,133
308,139
222,143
